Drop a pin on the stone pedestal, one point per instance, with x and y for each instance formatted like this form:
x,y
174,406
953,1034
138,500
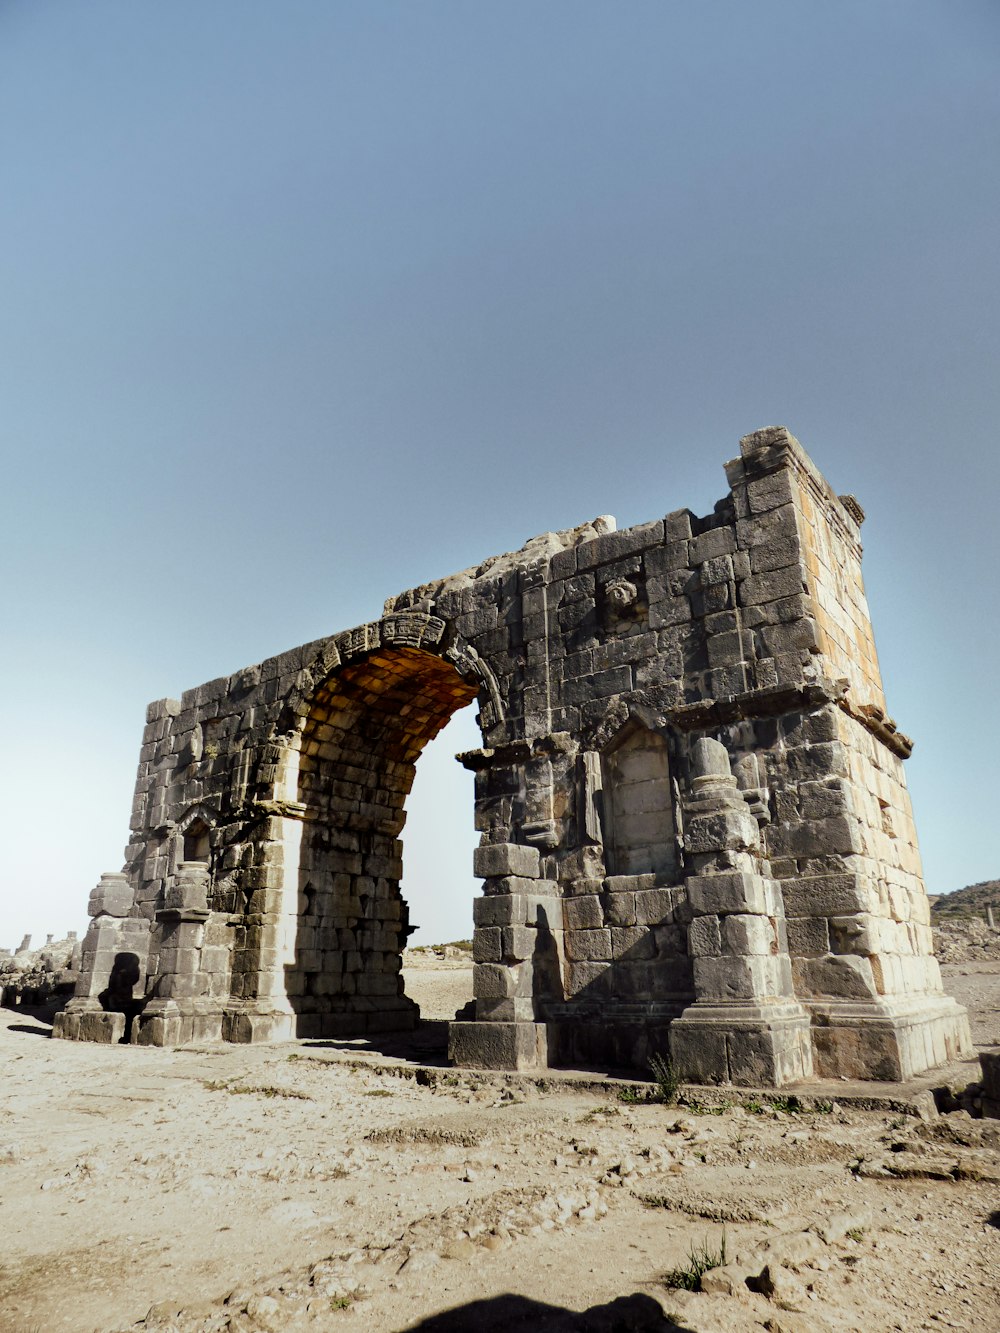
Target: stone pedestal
x,y
517,947
497,1045
112,967
888,1039
180,1009
249,1021
86,1024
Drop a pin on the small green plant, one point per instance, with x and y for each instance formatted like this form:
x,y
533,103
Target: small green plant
x,y
378,1092
855,1233
341,1302
786,1105
591,1117
753,1107
696,1107
244,1089
700,1260
667,1079
822,1108
631,1096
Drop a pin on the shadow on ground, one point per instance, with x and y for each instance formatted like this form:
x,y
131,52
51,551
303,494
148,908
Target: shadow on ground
x,y
628,1314
426,1045
30,1031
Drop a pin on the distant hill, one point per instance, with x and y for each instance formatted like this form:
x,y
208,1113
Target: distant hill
x,y
970,901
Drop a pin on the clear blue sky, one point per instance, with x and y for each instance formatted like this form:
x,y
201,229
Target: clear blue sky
x,y
303,303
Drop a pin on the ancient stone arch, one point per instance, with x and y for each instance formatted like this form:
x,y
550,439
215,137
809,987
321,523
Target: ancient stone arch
x,y
695,830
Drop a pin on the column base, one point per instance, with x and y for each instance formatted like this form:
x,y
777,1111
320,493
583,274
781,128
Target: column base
x,y
247,1024
174,1022
887,1040
498,1045
750,1045
85,1020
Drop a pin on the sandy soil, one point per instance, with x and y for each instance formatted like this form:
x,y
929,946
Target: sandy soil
x,y
335,1187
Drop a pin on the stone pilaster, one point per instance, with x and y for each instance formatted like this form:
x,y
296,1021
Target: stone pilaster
x,y
517,943
745,1026
180,1009
112,967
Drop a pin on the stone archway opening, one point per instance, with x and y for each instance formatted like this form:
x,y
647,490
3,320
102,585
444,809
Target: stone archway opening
x,y
438,884
365,730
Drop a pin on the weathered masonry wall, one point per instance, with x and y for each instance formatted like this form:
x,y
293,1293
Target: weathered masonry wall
x,y
695,830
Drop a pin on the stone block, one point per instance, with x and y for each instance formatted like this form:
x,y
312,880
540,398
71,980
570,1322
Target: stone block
x,y
591,979
108,1029
734,829
858,934
727,649
497,1045
619,909
778,553
188,889
843,976
653,906
518,942
486,945
505,858
493,981
771,586
666,611
677,525
827,895
770,492
713,895
990,1062
507,909
518,1009
719,570
808,936
670,940
113,897
838,836
699,1054
729,978
632,942
705,937
628,883
518,884
712,544
587,946
746,935
811,763
584,913
617,545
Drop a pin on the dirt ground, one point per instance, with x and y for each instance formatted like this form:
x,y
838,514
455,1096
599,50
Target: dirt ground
x,y
333,1186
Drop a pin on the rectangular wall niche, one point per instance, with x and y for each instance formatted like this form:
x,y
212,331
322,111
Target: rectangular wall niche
x,y
639,838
